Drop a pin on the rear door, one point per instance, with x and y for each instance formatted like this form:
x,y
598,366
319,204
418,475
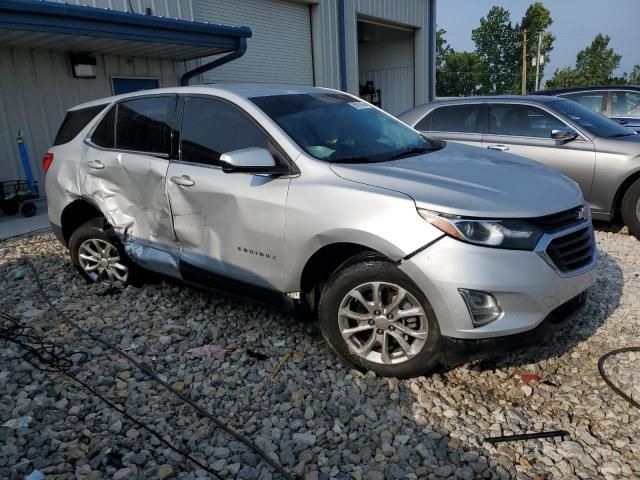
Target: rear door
x,y
229,224
459,123
126,168
526,130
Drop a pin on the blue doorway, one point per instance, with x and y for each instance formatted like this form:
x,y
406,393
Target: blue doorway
x,y
128,85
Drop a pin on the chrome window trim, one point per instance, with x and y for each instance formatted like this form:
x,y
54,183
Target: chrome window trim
x,y
163,156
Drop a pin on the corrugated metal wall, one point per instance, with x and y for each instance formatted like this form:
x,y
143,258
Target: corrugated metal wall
x,y
279,51
165,8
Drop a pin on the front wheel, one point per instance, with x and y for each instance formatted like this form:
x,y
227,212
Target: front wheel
x,y
631,209
99,256
375,318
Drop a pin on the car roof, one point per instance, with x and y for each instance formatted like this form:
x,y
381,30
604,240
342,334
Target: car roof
x,y
246,90
554,91
493,98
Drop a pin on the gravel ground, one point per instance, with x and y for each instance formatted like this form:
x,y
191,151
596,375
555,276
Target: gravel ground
x,y
305,409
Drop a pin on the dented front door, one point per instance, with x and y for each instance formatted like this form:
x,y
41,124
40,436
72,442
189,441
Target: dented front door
x,y
128,180
226,224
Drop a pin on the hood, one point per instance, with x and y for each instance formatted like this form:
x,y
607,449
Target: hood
x,y
471,181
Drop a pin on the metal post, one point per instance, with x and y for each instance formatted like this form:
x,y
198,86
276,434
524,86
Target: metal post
x,y
538,60
524,63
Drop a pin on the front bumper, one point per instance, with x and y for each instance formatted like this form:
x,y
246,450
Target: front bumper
x,y
525,285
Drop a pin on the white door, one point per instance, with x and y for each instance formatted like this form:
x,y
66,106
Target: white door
x,y
279,51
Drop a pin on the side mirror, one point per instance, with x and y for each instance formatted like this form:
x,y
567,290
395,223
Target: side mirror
x,y
251,160
563,134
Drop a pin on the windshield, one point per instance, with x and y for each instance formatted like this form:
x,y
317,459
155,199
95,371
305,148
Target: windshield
x,y
336,128
595,123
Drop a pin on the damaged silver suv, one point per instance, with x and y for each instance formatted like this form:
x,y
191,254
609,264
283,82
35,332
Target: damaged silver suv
x,y
402,245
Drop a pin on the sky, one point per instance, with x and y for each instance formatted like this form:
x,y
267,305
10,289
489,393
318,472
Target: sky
x,y
575,23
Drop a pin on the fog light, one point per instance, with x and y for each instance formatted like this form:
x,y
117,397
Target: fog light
x,y
482,306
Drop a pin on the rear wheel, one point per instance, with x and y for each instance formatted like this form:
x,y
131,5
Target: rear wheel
x,y
99,256
631,209
375,318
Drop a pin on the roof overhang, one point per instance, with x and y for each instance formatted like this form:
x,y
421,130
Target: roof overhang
x,y
41,24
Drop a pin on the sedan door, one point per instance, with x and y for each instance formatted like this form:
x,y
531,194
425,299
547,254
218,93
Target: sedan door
x,y
526,130
228,224
458,123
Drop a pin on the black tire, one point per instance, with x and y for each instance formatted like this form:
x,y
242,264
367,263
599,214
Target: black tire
x,y
28,209
630,207
353,275
99,229
10,207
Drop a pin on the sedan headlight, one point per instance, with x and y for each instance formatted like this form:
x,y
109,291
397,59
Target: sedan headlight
x,y
511,234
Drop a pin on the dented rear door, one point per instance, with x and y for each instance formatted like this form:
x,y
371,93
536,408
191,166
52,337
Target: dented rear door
x,y
127,179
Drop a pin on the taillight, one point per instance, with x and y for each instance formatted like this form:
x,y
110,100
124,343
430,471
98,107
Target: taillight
x,y
47,160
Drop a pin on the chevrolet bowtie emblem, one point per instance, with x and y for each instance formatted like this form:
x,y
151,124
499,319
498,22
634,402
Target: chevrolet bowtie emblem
x,y
582,214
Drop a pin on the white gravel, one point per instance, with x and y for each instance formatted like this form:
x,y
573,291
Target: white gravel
x,y
301,405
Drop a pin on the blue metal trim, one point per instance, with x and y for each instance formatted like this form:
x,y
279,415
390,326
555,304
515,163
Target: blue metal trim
x,y
342,46
237,53
431,52
44,16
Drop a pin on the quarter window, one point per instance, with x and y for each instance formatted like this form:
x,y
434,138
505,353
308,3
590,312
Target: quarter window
x,y
521,121
455,118
212,127
144,124
105,133
592,100
74,121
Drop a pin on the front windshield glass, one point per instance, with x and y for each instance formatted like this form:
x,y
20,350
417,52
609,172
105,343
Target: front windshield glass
x,y
336,128
595,123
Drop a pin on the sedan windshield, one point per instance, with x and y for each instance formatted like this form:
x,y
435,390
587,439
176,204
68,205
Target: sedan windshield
x,y
595,123
336,128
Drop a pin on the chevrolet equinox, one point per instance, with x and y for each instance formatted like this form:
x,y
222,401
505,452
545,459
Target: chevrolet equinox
x,y
400,244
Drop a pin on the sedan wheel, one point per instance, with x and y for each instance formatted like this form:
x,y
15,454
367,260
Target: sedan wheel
x,y
101,261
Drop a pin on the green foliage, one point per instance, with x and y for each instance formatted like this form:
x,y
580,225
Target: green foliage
x,y
535,20
460,74
634,76
497,46
565,77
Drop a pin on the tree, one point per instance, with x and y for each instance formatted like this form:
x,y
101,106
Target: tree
x,y
597,62
565,77
634,76
497,46
461,74
535,20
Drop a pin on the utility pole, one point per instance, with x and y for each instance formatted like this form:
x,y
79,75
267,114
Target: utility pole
x,y
524,62
538,59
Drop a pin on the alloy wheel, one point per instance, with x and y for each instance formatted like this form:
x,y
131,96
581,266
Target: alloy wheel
x,y
101,261
383,323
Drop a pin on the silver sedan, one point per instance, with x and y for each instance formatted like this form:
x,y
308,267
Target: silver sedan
x,y
599,154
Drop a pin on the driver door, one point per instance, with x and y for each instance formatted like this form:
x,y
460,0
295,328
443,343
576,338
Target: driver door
x,y
229,224
525,130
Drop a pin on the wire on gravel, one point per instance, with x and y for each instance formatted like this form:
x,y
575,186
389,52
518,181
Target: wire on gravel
x,y
606,378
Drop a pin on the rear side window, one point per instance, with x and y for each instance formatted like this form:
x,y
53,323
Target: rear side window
x,y
456,118
521,121
592,100
105,133
625,104
425,123
74,121
144,124
212,127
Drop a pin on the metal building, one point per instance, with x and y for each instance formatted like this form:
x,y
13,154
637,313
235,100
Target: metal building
x,y
382,50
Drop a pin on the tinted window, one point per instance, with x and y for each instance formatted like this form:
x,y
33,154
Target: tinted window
x,y
144,124
591,121
338,128
455,118
592,100
424,124
74,121
105,133
625,104
213,127
521,121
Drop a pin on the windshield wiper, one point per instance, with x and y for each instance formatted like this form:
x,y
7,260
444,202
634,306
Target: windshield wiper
x,y
617,135
409,152
352,160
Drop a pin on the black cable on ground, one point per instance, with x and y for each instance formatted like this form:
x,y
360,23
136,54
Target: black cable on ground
x,y
151,374
606,378
49,357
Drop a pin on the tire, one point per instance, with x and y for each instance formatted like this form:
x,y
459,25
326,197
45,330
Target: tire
x,y
28,209
10,207
361,277
93,238
631,209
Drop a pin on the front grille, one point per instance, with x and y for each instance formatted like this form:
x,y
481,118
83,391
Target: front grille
x,y
557,221
572,251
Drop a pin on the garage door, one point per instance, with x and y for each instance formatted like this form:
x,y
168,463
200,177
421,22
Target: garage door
x,y
279,50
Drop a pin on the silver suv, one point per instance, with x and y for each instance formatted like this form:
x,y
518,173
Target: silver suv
x,y
400,244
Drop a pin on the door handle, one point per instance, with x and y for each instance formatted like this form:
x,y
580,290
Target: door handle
x,y
500,148
95,164
183,181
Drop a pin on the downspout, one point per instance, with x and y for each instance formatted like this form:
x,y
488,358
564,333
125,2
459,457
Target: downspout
x,y
342,47
237,53
431,52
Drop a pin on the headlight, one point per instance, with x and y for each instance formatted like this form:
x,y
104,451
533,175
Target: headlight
x,y
511,234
